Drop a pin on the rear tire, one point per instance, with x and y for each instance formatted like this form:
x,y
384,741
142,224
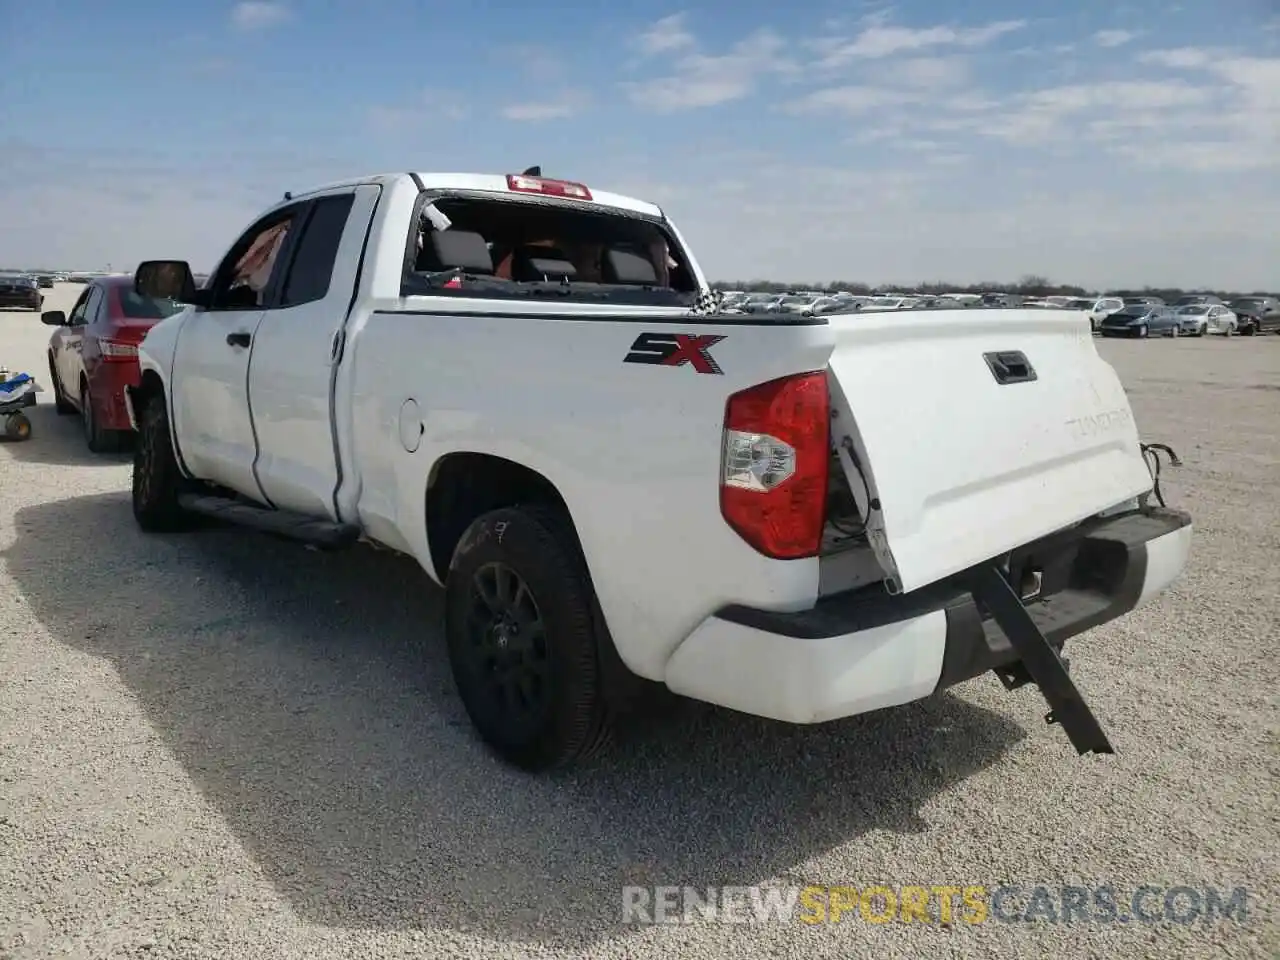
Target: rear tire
x,y
61,404
1143,331
157,481
96,438
523,641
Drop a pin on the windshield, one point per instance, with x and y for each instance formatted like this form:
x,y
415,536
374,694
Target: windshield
x,y
134,306
480,245
1248,304
1195,308
796,301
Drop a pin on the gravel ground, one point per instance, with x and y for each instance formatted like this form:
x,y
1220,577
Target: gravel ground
x,y
217,745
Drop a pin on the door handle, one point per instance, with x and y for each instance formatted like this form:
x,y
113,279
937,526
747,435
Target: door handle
x,y
1010,366
240,339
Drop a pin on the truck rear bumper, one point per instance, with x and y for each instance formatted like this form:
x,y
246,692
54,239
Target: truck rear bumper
x,y
865,650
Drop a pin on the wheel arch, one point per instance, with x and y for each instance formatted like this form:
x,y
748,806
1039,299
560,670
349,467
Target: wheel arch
x,y
463,486
151,388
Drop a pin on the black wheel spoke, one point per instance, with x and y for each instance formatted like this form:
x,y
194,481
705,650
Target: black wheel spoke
x,y
508,644
486,589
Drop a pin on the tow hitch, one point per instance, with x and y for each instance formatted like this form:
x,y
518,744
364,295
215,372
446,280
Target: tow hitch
x,y
1038,662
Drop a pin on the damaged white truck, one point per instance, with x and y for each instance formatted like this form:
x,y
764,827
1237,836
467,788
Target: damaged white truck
x,y
526,385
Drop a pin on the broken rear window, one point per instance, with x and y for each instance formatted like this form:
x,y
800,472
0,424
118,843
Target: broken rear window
x,y
498,247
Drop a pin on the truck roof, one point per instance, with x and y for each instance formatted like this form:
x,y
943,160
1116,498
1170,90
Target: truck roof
x,y
493,183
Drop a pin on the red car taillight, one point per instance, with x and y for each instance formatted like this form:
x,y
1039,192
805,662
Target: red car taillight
x,y
117,350
773,482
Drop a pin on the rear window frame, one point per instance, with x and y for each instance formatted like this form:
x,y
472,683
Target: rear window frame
x,y
615,297
117,299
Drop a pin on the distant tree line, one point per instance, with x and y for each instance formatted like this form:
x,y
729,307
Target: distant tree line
x,y
1028,286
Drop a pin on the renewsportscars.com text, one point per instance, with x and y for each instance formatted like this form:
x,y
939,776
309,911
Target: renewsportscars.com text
x,y
942,904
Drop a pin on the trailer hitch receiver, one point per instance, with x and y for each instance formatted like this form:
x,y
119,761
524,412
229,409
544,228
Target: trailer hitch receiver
x,y
1038,662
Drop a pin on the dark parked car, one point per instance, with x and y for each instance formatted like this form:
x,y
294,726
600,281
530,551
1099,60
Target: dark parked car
x,y
1192,299
17,290
1138,320
1134,301
1257,314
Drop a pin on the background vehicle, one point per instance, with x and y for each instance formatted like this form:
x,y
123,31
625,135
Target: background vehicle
x,y
1257,314
1103,308
1193,319
1193,299
1221,320
1135,320
1163,321
93,355
17,290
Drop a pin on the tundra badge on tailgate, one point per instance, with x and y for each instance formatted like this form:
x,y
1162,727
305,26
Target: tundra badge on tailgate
x,y
675,350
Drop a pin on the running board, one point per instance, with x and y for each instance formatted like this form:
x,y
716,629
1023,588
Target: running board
x,y
284,523
1040,662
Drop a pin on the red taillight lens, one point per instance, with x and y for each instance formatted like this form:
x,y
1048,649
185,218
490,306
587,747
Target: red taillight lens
x,y
551,188
773,483
118,350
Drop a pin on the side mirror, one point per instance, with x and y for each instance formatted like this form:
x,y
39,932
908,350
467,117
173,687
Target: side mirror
x,y
53,318
165,280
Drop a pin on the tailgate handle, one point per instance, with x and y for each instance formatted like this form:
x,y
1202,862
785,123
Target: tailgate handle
x,y
1010,366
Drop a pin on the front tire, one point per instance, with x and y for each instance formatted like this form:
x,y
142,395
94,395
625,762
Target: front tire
x,y
157,481
522,635
1143,331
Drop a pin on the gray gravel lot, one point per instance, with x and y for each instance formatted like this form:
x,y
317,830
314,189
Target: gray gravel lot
x,y
218,745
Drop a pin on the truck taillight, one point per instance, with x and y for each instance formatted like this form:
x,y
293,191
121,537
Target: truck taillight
x,y
773,483
550,188
115,350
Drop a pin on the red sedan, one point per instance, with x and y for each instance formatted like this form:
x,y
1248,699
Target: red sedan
x,y
93,355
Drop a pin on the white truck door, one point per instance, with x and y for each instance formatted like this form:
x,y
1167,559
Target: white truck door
x,y
297,348
210,399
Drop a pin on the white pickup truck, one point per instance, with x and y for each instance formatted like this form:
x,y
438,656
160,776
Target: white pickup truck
x,y
526,385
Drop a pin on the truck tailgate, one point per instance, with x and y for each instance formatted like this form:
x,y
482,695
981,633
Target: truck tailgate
x,y
977,431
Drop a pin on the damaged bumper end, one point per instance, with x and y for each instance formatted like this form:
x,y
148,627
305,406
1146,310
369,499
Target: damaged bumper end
x,y
864,649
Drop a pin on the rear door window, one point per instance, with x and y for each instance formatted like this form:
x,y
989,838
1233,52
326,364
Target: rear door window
x,y
316,251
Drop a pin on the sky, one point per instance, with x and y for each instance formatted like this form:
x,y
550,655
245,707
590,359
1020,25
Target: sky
x,y
1105,144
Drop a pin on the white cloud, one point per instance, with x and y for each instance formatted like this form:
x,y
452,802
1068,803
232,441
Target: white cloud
x,y
932,72
567,104
668,35
702,80
258,14
1114,38
882,41
429,106
1179,59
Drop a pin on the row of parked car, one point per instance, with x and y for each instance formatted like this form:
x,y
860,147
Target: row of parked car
x,y
1140,316
1194,316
